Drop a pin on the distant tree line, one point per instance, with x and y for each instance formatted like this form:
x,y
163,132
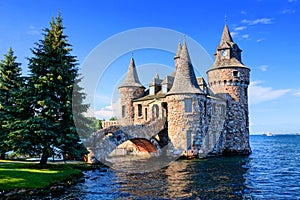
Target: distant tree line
x,y
36,110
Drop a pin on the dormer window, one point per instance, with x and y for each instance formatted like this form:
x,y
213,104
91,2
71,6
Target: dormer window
x,y
152,90
165,88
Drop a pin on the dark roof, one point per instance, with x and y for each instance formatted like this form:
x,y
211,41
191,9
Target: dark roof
x,y
227,43
185,80
132,79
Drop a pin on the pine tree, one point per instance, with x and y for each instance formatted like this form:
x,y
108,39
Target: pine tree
x,y
11,84
54,74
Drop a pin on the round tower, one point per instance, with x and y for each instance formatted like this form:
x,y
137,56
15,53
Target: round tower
x,y
185,106
130,90
229,75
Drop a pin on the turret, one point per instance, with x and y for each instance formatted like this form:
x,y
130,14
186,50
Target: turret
x,y
229,75
185,106
130,90
177,55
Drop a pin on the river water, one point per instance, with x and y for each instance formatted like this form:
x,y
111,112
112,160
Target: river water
x,y
270,172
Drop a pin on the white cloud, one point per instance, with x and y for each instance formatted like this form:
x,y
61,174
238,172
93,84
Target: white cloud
x,y
257,21
240,28
260,40
33,31
287,11
234,33
243,12
259,94
103,113
106,112
263,68
245,36
297,94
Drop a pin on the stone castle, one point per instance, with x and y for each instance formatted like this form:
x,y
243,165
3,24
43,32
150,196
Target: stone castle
x,y
202,119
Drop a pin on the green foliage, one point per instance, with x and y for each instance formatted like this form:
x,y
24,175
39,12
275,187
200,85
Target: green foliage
x,y
113,119
49,91
11,83
96,124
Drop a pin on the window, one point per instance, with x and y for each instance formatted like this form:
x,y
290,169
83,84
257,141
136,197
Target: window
x,y
165,88
189,140
140,110
152,92
123,111
235,74
188,105
146,114
223,109
155,111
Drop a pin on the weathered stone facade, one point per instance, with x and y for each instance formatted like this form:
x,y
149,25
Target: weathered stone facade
x,y
202,119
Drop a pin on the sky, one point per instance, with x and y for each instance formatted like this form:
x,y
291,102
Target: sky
x,y
106,34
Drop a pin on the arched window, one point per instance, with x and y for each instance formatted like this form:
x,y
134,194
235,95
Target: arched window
x,y
155,111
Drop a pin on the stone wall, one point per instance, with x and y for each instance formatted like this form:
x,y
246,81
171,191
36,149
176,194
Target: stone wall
x,y
127,95
106,124
182,123
223,81
233,81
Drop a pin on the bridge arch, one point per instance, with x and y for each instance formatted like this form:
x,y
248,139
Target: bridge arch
x,y
103,142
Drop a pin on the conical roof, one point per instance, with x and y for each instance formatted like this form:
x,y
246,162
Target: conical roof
x,y
132,79
185,80
226,36
178,51
227,43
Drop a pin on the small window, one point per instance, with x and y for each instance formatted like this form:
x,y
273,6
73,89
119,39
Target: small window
x,y
152,92
146,114
123,111
189,140
140,110
188,105
155,111
223,110
164,88
235,74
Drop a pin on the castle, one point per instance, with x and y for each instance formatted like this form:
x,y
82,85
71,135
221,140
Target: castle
x,y
202,118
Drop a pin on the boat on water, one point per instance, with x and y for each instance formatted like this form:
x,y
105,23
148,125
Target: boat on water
x,y
269,134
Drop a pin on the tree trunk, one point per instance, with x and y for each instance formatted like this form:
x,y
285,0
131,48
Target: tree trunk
x,y
2,156
45,156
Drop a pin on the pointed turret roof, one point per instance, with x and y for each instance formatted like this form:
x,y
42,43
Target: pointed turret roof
x,y
132,79
226,39
178,51
185,80
234,58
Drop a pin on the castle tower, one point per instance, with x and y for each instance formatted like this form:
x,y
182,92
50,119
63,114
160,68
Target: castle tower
x,y
130,90
177,55
229,75
184,106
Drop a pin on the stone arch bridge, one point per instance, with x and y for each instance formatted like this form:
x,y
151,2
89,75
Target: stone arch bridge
x,y
103,142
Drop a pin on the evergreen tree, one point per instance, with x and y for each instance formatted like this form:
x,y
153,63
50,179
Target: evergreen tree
x,y
53,77
11,83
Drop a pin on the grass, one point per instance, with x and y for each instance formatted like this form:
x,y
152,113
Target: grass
x,y
31,175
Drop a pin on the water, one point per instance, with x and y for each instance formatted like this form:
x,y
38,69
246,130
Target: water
x,y
270,172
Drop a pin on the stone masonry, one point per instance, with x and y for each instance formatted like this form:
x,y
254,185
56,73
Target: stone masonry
x,y
201,119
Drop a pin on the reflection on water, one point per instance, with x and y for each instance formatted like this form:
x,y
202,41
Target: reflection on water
x,y
270,172
220,178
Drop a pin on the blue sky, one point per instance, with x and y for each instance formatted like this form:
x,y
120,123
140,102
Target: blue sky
x,y
266,30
